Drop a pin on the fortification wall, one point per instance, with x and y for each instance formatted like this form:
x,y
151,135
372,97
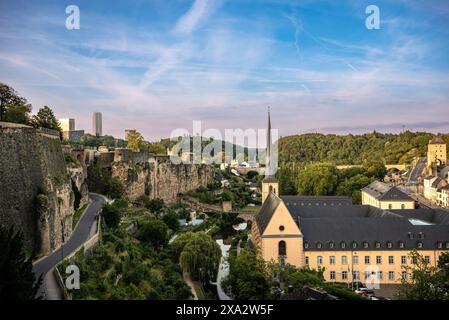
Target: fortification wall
x,y
160,178
35,188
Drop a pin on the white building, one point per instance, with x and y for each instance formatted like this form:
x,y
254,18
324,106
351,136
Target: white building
x,y
67,124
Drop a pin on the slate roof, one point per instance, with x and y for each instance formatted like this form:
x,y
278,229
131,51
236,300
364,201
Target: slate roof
x,y
359,224
383,191
437,140
266,211
316,200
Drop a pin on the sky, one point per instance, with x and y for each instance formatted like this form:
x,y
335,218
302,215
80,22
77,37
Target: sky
x,y
157,66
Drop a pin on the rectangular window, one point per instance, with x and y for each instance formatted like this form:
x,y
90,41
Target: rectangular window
x,y
379,259
366,259
320,260
390,275
391,259
379,275
367,274
403,259
427,259
332,275
355,259
414,260
356,275
404,275
332,259
344,275
307,260
344,260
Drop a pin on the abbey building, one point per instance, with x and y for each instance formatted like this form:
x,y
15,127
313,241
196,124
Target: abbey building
x,y
349,242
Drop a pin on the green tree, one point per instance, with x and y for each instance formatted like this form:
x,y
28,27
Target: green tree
x,y
248,277
112,215
425,282
135,141
45,118
318,179
201,257
17,280
114,188
154,232
171,219
13,107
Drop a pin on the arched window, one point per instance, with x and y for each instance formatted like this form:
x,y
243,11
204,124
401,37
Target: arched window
x,y
282,248
270,188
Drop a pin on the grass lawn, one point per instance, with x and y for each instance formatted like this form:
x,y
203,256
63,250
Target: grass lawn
x,y
77,215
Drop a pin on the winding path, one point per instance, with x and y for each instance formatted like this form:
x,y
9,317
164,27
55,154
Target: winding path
x,y
79,236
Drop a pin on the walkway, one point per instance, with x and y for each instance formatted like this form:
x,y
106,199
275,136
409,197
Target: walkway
x,y
44,266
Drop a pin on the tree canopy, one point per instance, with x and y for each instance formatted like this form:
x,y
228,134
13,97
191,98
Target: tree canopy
x,y
17,280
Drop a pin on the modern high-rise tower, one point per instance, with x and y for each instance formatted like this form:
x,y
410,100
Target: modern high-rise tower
x,y
67,124
97,124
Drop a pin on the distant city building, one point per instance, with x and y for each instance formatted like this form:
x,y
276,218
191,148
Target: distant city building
x,y
67,124
69,131
127,132
73,135
385,196
432,186
97,128
436,152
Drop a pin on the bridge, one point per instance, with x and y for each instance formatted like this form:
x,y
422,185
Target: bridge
x,y
387,166
247,215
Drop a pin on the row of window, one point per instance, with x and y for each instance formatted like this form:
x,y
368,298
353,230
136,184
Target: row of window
x,y
367,260
377,244
368,275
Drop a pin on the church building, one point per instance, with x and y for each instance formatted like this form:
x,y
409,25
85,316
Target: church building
x,y
349,242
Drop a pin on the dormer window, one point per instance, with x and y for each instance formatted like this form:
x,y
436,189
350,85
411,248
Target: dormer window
x,y
410,235
366,245
401,245
421,235
389,245
440,245
447,245
306,245
281,228
419,244
331,245
318,245
377,245
354,245
343,245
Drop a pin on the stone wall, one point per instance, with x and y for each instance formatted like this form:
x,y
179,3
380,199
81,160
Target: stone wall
x,y
35,189
159,178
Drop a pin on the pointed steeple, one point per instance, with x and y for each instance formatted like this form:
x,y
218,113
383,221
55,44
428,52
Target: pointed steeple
x,y
269,183
268,148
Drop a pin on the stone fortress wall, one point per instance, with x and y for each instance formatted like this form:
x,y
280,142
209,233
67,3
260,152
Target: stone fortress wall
x,y
156,176
36,193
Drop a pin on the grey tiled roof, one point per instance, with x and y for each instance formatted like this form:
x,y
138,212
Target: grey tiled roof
x,y
316,200
266,211
383,191
437,140
359,224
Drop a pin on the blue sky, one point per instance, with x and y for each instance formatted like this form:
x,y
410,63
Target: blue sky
x,y
158,65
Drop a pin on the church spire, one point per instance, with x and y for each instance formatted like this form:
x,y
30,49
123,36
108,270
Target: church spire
x,y
268,148
269,183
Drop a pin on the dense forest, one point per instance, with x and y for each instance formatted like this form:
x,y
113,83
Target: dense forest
x,y
355,149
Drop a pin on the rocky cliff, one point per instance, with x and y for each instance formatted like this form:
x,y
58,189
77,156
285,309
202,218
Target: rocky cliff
x,y
160,178
36,193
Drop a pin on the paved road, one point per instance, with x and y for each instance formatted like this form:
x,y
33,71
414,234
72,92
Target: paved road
x,y
417,171
80,235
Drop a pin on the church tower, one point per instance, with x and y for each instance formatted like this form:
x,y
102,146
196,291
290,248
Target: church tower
x,y
269,183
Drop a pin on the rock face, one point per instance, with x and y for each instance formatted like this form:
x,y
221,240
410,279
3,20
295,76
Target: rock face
x,y
158,177
36,193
